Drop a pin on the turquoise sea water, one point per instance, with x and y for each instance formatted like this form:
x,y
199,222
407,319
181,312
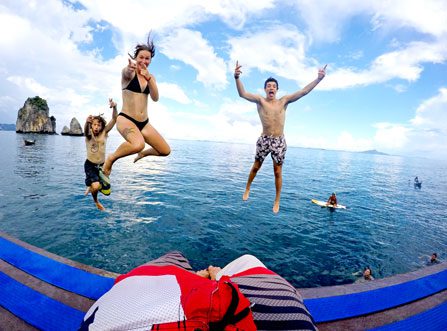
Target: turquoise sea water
x,y
192,201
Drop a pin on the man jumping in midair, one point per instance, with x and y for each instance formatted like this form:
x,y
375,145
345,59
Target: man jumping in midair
x,y
272,112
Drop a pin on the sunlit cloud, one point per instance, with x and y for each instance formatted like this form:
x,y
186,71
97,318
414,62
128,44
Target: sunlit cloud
x,y
425,17
391,136
345,141
425,133
191,48
174,92
277,49
433,112
29,83
405,64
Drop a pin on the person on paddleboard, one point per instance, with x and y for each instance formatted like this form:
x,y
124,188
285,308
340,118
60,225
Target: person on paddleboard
x,y
332,200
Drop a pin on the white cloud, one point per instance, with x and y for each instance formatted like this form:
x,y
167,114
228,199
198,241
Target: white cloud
x,y
234,12
424,135
52,18
429,133
191,48
327,21
21,26
391,136
400,88
278,49
356,55
405,63
174,92
286,57
174,67
432,113
235,121
239,111
30,84
134,18
5,100
344,141
423,16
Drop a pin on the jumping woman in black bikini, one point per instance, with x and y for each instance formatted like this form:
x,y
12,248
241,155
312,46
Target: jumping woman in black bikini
x,y
133,122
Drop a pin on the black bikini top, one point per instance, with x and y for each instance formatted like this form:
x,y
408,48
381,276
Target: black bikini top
x,y
134,86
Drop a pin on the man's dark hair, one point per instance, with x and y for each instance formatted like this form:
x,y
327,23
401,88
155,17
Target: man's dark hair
x,y
271,79
148,46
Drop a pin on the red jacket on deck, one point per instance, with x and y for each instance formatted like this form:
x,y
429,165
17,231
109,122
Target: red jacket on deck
x,y
169,297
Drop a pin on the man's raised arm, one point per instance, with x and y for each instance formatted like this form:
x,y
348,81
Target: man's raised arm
x,y
240,87
309,87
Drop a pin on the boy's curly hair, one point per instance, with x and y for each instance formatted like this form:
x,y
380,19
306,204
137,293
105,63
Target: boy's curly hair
x,y
88,126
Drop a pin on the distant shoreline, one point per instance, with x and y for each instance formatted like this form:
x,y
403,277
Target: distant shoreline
x,y
7,127
12,127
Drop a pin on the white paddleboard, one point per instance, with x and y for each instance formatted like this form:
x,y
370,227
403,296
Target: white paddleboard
x,y
324,205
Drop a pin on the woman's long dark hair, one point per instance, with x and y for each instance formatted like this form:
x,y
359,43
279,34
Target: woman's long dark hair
x,y
148,46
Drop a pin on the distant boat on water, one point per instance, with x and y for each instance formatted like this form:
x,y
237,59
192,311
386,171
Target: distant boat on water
x,y
29,142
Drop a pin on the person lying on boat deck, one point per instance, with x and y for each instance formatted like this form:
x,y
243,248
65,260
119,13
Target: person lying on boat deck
x,y
167,294
332,200
272,113
133,124
96,133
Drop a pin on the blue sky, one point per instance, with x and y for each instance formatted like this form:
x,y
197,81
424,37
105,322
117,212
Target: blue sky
x,y
385,89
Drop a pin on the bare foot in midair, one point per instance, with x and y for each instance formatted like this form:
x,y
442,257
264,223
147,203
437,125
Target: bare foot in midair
x,y
107,167
276,207
99,205
246,195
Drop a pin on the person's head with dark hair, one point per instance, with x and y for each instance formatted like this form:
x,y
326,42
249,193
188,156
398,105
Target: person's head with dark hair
x,y
143,55
273,80
148,46
367,273
95,125
434,258
271,87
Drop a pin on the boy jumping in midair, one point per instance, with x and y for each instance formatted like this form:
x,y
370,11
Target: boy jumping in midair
x,y
96,134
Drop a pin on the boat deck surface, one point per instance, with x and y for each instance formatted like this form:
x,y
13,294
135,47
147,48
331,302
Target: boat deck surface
x,y
386,303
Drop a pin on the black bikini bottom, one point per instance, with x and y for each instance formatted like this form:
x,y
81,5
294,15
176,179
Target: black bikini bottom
x,y
140,125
